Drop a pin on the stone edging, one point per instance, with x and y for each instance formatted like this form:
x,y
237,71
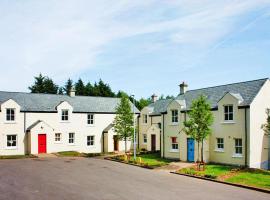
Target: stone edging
x,y
226,183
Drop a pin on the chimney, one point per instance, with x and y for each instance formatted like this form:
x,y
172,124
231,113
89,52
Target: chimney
x,y
183,87
154,98
72,92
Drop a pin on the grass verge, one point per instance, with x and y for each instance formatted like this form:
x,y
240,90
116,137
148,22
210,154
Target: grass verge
x,y
17,156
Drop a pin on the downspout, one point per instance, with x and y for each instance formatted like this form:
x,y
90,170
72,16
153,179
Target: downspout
x,y
163,134
103,142
246,138
138,122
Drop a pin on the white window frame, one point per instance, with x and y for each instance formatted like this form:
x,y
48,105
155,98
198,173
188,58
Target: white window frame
x,y
64,116
57,137
90,119
145,138
145,119
175,116
90,140
9,115
16,141
238,146
174,145
228,113
71,138
220,142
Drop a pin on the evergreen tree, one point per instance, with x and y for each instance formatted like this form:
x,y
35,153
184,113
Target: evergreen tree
x,y
49,86
104,90
200,120
43,84
123,122
68,86
142,103
60,90
89,89
80,88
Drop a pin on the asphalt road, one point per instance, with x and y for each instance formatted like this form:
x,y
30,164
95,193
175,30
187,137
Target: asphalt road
x,y
82,178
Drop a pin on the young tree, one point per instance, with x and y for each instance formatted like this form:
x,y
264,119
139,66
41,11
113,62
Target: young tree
x,y
68,86
123,122
200,120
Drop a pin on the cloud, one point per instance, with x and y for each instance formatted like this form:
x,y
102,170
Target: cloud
x,y
64,38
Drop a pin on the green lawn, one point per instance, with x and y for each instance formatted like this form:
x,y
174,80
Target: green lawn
x,y
69,153
17,156
153,160
257,178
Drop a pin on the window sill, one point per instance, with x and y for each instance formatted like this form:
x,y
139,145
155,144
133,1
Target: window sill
x,y
58,142
174,150
71,144
174,124
11,148
237,156
10,122
228,122
90,125
219,150
64,121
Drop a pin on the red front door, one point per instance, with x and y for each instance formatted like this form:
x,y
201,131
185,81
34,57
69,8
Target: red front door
x,y
42,143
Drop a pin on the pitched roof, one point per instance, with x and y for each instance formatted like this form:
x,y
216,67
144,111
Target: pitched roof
x,y
159,106
246,90
47,102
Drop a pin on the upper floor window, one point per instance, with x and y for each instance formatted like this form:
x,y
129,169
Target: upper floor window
x,y
144,138
10,114
174,143
71,138
90,119
57,137
238,146
64,115
11,141
145,119
220,143
228,112
174,116
90,140
159,125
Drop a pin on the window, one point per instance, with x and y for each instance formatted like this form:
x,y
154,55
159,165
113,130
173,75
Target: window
x,y
228,112
11,141
220,143
159,125
90,140
174,143
145,119
238,146
174,116
64,115
57,137
90,119
144,138
71,138
10,114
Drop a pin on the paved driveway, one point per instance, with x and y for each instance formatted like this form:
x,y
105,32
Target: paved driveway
x,y
82,178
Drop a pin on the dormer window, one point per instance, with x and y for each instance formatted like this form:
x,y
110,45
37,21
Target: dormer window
x,y
228,112
145,119
10,114
174,116
64,115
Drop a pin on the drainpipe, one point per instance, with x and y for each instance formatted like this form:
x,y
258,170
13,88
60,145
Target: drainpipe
x,y
246,138
138,122
103,142
163,135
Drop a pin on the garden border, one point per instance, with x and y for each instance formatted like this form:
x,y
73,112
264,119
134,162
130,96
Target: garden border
x,y
226,183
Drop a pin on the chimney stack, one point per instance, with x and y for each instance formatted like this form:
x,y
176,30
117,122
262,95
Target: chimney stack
x,y
183,87
72,92
154,98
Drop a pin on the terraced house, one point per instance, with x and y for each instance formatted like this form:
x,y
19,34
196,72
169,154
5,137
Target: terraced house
x,y
46,123
237,137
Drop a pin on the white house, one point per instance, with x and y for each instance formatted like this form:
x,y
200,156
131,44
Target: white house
x,y
46,123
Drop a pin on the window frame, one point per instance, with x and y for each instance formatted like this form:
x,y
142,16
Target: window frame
x,y
65,116
55,138
90,119
174,144
219,143
175,116
237,146
145,138
229,114
145,118
90,142
71,138
16,141
10,115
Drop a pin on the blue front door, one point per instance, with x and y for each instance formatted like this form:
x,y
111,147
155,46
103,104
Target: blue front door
x,y
190,150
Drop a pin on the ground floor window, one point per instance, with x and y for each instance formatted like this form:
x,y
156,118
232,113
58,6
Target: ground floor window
x,y
71,138
238,146
174,143
220,143
144,138
11,141
90,140
57,137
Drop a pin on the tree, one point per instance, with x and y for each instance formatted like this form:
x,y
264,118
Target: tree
x,y
123,122
68,86
142,103
200,120
43,84
60,90
266,126
104,89
80,88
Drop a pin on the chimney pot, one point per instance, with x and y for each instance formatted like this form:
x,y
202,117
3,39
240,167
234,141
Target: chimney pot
x,y
183,87
154,98
72,92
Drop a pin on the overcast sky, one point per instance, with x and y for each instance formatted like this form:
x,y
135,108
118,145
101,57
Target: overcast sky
x,y
142,46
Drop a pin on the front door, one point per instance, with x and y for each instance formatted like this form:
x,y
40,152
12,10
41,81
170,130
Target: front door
x,y
42,143
190,150
153,142
115,143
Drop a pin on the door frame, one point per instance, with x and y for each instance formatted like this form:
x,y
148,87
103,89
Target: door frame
x,y
193,150
44,134
153,136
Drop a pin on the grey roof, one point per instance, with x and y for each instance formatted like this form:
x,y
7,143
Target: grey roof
x,y
47,102
244,90
159,106
35,124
